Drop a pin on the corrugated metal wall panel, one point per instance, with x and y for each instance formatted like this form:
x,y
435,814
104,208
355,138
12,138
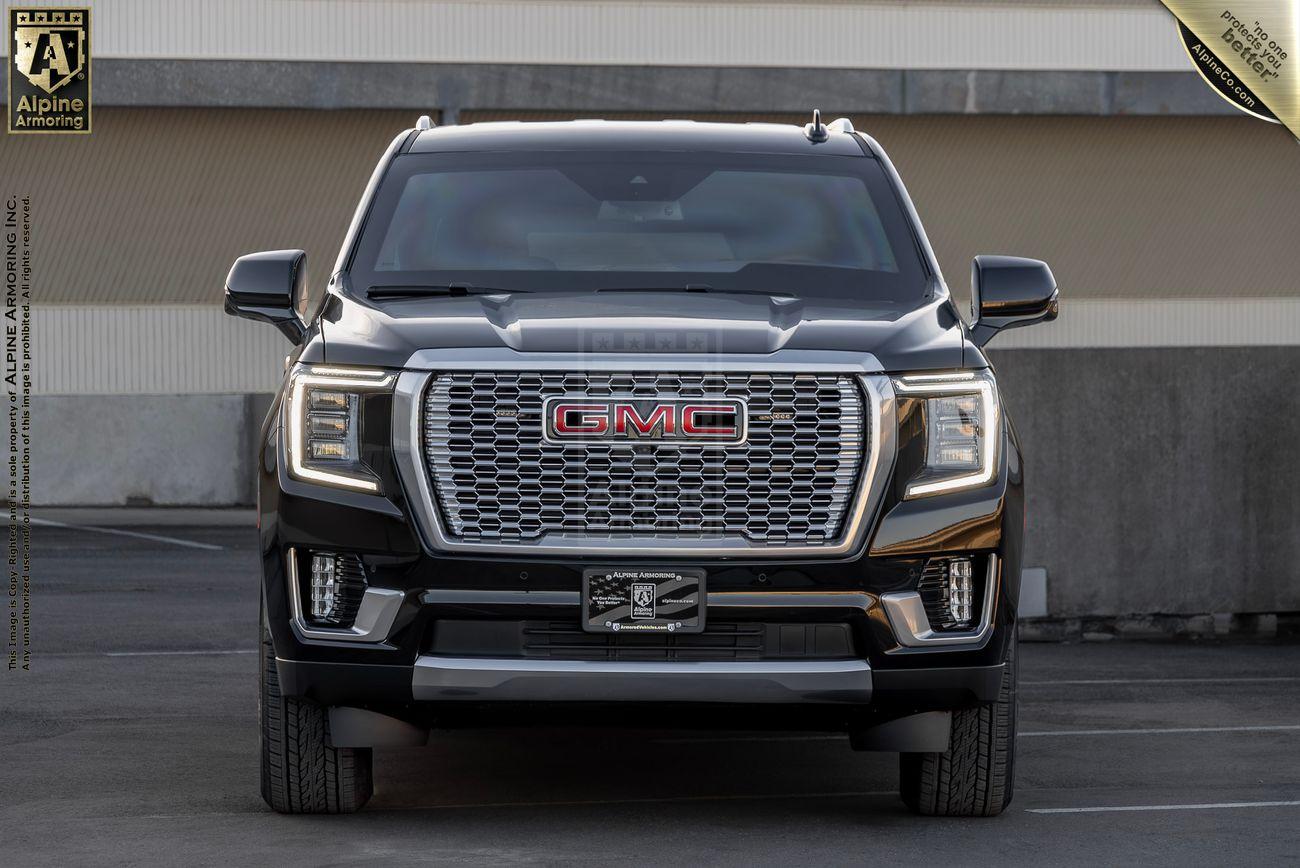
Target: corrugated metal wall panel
x,y
156,204
1121,207
152,350
165,350
1246,322
984,35
154,207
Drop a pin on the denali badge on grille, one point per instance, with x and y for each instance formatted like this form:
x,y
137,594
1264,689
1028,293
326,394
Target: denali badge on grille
x,y
719,421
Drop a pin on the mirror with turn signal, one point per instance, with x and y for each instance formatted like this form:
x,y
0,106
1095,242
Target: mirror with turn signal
x,y
1009,292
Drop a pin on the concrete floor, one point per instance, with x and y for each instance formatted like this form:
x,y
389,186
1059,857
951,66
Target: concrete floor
x,y
132,741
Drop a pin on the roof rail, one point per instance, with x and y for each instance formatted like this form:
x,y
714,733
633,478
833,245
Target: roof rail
x,y
424,122
816,131
840,125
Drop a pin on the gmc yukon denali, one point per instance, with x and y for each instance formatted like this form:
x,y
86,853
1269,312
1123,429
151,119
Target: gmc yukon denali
x,y
609,422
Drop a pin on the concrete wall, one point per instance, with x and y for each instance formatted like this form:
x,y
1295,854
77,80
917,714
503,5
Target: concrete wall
x,y
145,450
593,90
1160,480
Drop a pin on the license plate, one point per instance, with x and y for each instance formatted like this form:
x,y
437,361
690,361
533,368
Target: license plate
x,y
642,601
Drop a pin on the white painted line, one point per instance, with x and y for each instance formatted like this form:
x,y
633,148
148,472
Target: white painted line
x,y
1209,806
1031,734
178,653
1226,679
118,532
1169,731
564,804
763,738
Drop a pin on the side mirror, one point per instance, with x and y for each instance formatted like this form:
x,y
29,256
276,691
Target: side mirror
x,y
266,287
1008,292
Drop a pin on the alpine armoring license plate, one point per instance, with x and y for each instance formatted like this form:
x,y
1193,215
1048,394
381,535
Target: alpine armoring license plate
x,y
642,601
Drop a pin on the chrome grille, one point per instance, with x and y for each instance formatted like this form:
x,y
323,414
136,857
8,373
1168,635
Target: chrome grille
x,y
497,481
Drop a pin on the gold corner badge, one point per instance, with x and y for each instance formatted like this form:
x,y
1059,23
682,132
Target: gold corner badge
x,y
49,70
1246,51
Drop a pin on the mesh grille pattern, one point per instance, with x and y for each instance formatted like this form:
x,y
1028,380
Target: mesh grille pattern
x,y
791,483
720,641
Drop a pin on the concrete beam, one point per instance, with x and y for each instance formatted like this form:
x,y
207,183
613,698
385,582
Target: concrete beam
x,y
456,87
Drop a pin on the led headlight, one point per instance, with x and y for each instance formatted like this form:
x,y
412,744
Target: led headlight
x,y
322,424
962,430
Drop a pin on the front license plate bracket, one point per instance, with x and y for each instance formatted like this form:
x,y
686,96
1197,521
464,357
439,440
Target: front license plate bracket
x,y
636,601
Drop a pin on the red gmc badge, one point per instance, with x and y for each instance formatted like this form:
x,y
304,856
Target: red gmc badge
x,y
680,421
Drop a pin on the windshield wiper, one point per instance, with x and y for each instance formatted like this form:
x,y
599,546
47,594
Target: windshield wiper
x,y
689,287
448,289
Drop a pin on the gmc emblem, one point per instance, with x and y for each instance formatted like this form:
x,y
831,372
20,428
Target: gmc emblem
x,y
719,421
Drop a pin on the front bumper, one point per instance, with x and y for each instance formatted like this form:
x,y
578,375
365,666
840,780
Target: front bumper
x,y
451,680
390,659
444,679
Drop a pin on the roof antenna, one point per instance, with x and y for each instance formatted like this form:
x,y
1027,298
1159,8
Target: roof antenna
x,y
816,131
424,122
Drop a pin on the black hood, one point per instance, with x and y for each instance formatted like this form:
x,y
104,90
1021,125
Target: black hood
x,y
387,333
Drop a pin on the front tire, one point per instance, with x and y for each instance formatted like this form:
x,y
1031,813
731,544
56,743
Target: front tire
x,y
301,773
975,776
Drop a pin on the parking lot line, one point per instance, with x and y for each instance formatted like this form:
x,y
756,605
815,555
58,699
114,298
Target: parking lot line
x,y
578,803
1029,734
1208,806
1219,680
1163,731
119,532
178,653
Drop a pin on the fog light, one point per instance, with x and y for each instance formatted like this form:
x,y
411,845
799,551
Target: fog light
x,y
960,595
324,587
338,583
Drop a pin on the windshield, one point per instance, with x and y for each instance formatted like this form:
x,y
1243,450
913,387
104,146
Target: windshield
x,y
587,220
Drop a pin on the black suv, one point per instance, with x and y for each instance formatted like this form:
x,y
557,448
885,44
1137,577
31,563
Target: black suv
x,y
653,421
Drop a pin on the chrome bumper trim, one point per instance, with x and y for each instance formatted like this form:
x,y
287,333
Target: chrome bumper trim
x,y
912,628
790,599
715,599
476,679
375,616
